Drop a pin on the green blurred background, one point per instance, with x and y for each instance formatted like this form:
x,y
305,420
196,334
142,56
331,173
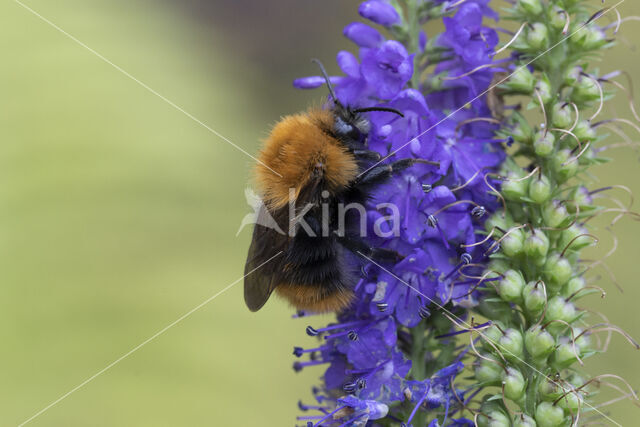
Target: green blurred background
x,y
118,213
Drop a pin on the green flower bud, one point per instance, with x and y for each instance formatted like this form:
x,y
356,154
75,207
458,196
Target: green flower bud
x,y
522,81
557,18
538,36
571,76
544,89
522,133
581,197
514,189
493,333
497,266
514,384
563,168
585,90
530,7
548,415
511,344
488,372
510,287
513,244
540,189
549,390
562,116
592,38
544,143
557,271
497,220
563,356
493,418
555,215
559,308
536,246
573,286
572,238
539,343
571,402
523,420
576,379
584,341
534,297
584,132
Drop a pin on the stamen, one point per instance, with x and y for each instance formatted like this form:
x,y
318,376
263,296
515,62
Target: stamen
x,y
544,112
513,39
575,123
622,187
450,205
573,159
469,181
329,415
477,119
468,73
603,293
464,331
298,366
299,351
629,94
597,83
617,119
595,241
567,21
599,327
497,242
568,132
486,239
418,404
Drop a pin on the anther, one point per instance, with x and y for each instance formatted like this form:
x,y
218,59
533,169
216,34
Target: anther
x,y
478,211
382,306
427,188
466,258
353,335
432,221
311,331
424,312
298,351
349,387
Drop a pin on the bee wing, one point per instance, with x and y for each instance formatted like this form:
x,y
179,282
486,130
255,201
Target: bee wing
x,y
262,263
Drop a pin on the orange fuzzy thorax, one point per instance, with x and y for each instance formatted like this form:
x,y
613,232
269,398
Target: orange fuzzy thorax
x,y
296,148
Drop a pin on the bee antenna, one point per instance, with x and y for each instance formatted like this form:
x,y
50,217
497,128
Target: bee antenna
x,y
387,109
326,79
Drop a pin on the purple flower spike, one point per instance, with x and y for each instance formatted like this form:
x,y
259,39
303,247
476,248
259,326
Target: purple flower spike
x,y
368,353
379,12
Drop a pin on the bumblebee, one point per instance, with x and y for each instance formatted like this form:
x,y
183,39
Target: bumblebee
x,y
319,162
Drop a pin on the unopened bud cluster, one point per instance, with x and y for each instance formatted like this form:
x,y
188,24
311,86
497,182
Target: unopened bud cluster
x,y
534,280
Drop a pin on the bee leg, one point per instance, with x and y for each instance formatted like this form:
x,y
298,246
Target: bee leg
x,y
360,247
379,174
360,154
